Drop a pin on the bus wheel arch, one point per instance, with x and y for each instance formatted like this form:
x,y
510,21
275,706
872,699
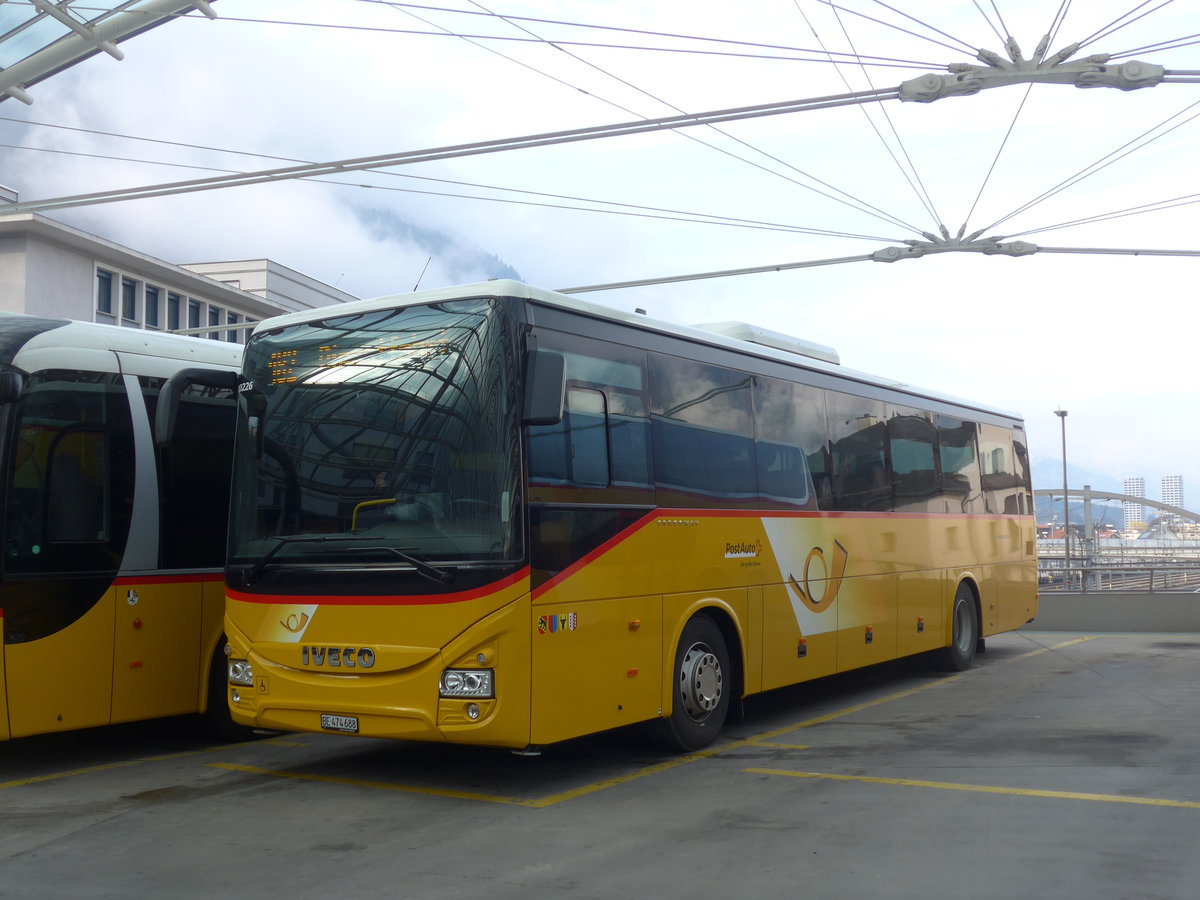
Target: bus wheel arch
x,y
705,679
217,720
965,634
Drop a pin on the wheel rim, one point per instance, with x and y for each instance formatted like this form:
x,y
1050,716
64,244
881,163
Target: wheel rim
x,y
700,681
963,628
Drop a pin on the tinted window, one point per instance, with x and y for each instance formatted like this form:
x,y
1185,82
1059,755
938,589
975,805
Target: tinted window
x,y
194,477
912,449
790,447
70,489
703,426
858,444
959,467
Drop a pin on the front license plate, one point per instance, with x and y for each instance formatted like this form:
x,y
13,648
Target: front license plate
x,y
348,724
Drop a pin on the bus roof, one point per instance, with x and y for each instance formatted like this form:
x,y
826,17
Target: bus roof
x,y
740,337
38,343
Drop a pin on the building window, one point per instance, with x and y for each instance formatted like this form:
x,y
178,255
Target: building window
x,y
214,318
104,291
193,314
173,303
129,292
152,302
232,319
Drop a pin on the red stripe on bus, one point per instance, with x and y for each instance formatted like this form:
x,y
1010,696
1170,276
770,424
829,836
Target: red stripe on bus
x,y
617,539
824,514
591,557
384,600
190,578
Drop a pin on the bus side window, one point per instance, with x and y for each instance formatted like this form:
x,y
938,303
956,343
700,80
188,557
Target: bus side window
x,y
912,443
587,418
67,505
858,437
1002,489
76,480
194,477
703,427
588,474
958,466
790,445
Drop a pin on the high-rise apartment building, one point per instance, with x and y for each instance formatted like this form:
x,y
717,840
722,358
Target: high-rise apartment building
x,y
1172,495
1133,512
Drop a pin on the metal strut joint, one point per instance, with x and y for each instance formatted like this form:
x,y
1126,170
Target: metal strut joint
x,y
1090,71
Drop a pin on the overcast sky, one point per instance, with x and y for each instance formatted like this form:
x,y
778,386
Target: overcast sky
x,y
1110,339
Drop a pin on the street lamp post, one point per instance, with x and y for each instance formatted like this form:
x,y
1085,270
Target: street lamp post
x,y
1062,417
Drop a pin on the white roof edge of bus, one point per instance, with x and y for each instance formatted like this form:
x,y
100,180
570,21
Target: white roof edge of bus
x,y
100,336
510,288
756,334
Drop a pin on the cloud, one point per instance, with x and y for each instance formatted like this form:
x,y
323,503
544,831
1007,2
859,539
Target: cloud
x,y
1104,337
460,263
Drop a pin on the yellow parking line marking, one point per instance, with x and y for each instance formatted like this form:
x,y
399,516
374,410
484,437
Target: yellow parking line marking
x,y
380,785
763,739
105,767
984,789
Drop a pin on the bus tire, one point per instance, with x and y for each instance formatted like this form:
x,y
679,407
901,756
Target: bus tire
x,y
218,722
964,633
701,683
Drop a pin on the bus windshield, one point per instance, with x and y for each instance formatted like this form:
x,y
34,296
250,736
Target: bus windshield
x,y
388,438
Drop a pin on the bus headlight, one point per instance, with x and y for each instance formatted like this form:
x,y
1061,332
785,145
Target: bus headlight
x,y
241,672
467,683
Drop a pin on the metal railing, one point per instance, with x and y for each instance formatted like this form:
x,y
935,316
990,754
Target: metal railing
x,y
1164,577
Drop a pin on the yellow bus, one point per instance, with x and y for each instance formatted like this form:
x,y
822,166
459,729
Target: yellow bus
x,y
111,593
504,516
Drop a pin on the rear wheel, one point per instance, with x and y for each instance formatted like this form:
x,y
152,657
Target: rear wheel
x,y
964,633
701,686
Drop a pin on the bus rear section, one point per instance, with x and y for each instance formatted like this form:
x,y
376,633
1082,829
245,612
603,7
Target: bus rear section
x,y
501,516
111,590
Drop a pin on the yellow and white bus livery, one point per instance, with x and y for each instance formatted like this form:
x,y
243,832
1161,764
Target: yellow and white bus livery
x,y
498,515
111,594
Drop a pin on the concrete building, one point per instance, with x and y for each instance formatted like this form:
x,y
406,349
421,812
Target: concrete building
x,y
1133,514
54,270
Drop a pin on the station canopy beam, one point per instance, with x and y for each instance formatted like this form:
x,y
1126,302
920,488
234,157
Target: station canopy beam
x,y
960,80
40,38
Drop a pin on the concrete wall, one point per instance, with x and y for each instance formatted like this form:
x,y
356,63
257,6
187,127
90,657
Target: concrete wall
x,y
1112,611
12,273
61,283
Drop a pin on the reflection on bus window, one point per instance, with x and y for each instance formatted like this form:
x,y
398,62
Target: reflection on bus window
x,y
68,503
702,426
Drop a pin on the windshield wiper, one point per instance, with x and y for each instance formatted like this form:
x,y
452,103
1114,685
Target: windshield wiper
x,y
430,571
282,542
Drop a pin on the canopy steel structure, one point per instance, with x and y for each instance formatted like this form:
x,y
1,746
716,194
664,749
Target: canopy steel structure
x,y
40,38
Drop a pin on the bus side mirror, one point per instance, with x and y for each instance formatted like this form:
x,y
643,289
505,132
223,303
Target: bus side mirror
x,y
11,384
172,390
256,411
545,387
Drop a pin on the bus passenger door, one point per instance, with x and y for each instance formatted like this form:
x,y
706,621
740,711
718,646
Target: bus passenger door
x,y
63,530
156,647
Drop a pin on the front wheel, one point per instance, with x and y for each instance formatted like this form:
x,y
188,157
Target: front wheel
x,y
218,722
701,687
964,634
